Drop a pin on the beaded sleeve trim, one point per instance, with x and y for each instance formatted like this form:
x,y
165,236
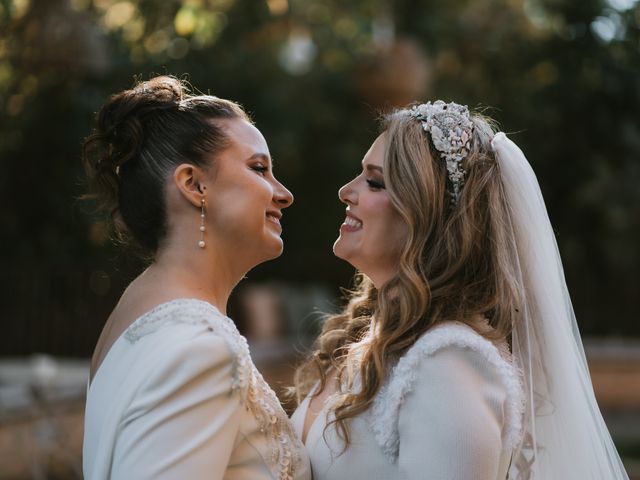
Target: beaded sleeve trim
x,y
384,413
257,396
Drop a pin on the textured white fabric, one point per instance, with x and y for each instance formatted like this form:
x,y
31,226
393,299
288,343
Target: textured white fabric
x,y
450,409
177,397
386,405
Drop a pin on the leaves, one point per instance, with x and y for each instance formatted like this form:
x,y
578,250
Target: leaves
x,y
562,76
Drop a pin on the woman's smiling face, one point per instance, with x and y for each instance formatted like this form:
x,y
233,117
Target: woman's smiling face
x,y
245,203
373,232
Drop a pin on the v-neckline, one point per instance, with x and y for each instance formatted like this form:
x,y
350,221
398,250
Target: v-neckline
x,y
304,436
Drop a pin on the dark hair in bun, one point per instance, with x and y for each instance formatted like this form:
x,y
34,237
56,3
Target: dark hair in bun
x,y
142,135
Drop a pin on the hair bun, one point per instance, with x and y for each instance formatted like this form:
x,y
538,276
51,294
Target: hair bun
x,y
120,133
160,93
162,89
141,135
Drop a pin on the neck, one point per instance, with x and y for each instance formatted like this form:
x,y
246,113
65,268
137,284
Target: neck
x,y
379,279
188,271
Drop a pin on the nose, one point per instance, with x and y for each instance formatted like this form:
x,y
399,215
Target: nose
x,y
282,196
347,194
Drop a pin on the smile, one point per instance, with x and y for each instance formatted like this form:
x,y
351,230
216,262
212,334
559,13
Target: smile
x,y
273,218
351,224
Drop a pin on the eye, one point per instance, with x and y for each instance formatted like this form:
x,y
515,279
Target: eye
x,y
375,185
260,168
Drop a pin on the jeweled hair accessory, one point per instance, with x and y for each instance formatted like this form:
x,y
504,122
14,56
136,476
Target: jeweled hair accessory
x,y
450,128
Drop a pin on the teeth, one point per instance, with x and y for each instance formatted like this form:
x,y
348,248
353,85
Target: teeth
x,y
352,222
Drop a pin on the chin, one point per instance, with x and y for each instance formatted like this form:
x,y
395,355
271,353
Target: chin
x,y
269,250
276,254
275,249
341,252
336,248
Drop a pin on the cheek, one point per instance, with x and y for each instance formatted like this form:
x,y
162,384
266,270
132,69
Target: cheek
x,y
241,203
380,213
246,189
260,190
399,236
390,229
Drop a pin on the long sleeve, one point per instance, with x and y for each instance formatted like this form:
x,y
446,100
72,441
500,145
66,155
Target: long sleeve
x,y
451,421
184,419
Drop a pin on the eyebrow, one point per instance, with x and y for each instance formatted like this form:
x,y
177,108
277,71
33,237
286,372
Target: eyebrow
x,y
373,167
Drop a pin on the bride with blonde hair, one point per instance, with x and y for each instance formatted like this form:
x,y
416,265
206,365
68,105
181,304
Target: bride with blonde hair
x,y
457,355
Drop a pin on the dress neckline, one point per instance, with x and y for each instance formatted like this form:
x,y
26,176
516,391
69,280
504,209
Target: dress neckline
x,y
138,321
304,436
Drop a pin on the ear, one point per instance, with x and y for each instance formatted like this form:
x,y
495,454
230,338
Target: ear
x,y
191,182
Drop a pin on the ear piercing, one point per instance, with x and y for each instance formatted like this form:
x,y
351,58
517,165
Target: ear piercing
x,y
201,243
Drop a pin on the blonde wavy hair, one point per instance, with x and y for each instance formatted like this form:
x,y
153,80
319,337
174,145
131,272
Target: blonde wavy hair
x,y
456,264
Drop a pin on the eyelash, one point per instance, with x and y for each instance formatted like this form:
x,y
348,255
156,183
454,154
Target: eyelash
x,y
261,169
375,185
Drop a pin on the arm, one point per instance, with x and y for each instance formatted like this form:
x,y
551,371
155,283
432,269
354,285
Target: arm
x,y
450,423
184,419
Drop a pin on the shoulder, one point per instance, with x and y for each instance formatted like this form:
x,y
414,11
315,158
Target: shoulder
x,y
182,312
450,359
183,339
456,346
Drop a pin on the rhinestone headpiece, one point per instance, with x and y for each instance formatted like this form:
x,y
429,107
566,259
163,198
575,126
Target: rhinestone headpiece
x,y
450,128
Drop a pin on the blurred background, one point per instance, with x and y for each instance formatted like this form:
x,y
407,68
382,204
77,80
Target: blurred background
x,y
561,76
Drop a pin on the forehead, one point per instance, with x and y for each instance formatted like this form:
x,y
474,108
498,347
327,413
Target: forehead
x,y
244,137
375,155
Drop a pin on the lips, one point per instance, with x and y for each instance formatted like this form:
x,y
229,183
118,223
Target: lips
x,y
351,223
274,216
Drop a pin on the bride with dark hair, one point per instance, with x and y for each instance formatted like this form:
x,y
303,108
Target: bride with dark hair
x,y
458,354
173,392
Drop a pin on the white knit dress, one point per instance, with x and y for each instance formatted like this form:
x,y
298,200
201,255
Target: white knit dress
x,y
450,409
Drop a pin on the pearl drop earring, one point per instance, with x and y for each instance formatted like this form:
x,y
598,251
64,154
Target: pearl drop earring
x,y
201,243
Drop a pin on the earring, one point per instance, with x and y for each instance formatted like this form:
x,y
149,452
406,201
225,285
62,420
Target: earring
x,y
201,243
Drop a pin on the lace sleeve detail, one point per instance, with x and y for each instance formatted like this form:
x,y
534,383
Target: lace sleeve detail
x,y
256,395
197,312
385,410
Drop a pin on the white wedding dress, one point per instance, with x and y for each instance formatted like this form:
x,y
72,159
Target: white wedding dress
x,y
451,409
178,397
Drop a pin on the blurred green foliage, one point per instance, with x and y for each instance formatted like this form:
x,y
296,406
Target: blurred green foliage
x,y
561,75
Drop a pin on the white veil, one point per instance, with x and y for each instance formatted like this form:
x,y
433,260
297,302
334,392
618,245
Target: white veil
x,y
564,435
